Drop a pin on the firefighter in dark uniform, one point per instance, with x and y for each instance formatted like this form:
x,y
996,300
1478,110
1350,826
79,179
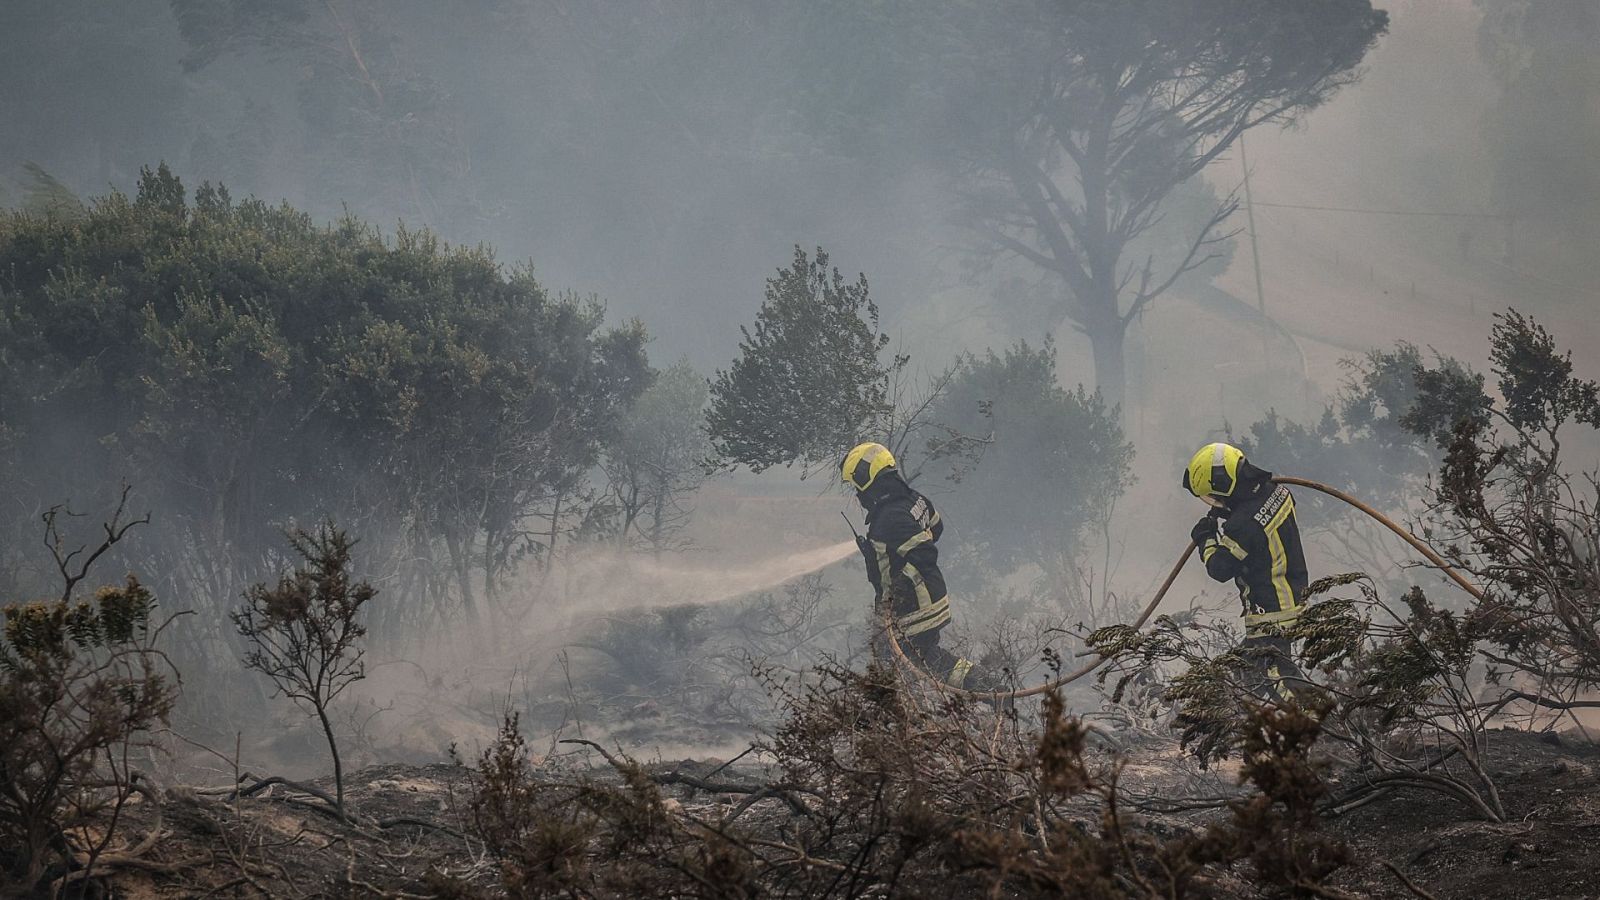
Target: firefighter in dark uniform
x,y
903,564
1251,538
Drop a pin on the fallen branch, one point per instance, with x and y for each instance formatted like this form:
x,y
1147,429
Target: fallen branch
x,y
264,783
1410,885
398,821
111,861
1362,795
783,790
1439,784
1511,697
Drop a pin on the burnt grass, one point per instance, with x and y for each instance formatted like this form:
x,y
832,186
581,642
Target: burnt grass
x,y
1549,846
411,821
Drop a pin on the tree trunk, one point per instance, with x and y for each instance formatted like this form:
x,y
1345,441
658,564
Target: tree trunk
x,y
1102,251
338,766
461,565
657,514
1110,364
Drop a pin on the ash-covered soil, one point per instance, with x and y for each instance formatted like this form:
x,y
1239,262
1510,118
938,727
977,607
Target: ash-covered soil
x,y
1548,848
411,820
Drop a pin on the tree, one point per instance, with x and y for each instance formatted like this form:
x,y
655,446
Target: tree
x,y
1384,432
809,383
1052,466
658,458
1081,117
249,368
304,633
1523,522
81,682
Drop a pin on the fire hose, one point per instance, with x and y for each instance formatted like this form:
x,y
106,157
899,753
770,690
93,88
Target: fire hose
x,y
1161,592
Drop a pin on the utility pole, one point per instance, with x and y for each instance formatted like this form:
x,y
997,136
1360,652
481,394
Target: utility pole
x,y
1261,295
1255,249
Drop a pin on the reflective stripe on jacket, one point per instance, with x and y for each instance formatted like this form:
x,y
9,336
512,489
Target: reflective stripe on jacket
x,y
902,531
1258,547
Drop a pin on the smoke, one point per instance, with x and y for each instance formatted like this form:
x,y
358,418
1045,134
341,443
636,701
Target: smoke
x,y
540,612
451,688
661,155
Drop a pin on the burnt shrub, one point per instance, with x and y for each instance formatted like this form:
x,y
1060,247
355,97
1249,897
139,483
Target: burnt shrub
x,y
81,682
870,787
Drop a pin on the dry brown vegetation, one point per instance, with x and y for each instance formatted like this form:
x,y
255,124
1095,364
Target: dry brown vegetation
x,y
81,683
873,788
873,783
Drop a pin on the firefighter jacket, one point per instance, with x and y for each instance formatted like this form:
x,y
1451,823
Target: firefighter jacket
x,y
1257,545
903,563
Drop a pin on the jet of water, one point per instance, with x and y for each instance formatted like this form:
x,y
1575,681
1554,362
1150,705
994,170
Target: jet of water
x,y
613,582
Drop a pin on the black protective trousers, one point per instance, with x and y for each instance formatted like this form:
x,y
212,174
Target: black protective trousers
x,y
1273,673
924,652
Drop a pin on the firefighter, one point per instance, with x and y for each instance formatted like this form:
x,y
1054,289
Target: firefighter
x,y
1250,537
903,564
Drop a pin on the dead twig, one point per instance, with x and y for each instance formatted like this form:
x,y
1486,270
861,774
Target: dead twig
x,y
1410,885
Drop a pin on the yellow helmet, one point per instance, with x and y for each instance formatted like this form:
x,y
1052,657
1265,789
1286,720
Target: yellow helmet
x,y
1214,470
861,465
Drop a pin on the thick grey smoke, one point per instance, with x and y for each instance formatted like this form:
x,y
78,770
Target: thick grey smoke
x,y
667,156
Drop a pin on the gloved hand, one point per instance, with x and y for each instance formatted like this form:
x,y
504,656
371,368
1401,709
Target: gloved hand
x,y
1204,530
866,551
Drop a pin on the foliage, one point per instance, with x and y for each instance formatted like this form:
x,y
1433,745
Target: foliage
x,y
1525,526
1408,712
1397,702
81,681
1379,440
304,633
657,459
1051,468
1081,118
1412,687
250,369
875,793
1384,431
44,195
809,382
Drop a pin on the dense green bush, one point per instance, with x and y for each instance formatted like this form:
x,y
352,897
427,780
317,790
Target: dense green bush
x,y
1041,471
810,381
249,369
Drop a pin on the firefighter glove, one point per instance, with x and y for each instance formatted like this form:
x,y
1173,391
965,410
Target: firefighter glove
x,y
1204,530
